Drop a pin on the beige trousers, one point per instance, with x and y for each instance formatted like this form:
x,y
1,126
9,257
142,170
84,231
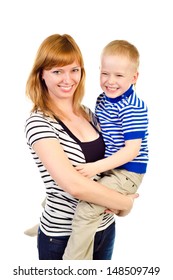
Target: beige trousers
x,y
33,231
88,216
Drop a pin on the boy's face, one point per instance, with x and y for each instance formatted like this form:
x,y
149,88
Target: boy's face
x,y
117,74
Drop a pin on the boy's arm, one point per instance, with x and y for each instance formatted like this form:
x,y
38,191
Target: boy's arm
x,y
124,155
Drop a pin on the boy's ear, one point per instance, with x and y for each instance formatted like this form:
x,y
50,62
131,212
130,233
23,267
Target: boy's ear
x,y
135,77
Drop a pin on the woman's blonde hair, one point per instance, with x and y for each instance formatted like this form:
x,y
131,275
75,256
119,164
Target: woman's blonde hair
x,y
124,48
55,50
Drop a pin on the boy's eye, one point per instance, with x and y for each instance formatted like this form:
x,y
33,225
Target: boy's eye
x,y
104,73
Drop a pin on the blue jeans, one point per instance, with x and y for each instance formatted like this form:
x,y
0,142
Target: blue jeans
x,y
52,248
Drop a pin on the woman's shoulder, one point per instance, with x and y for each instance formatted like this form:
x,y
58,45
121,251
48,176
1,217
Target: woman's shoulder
x,y
37,121
92,116
87,110
38,116
39,126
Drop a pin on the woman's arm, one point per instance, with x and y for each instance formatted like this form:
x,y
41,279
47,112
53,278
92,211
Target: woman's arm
x,y
58,165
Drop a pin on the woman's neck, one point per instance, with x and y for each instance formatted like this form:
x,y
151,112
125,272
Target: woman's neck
x,y
65,108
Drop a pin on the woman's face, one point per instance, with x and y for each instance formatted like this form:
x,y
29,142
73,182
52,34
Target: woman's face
x,y
62,81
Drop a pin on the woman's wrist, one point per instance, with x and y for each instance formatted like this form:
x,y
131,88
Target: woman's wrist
x,y
129,202
131,199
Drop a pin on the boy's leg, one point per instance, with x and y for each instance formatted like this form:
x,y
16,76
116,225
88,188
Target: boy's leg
x,y
87,218
33,231
122,180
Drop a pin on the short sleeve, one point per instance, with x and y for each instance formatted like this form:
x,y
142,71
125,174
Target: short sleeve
x,y
37,127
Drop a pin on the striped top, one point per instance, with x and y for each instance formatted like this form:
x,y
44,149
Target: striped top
x,y
56,219
124,118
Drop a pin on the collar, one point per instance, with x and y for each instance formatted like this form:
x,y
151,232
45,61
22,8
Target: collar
x,y
119,98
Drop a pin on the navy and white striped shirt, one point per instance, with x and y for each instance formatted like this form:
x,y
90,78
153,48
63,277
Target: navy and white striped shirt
x,y
124,118
56,219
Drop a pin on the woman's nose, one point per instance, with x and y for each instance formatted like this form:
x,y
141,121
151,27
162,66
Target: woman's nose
x,y
66,77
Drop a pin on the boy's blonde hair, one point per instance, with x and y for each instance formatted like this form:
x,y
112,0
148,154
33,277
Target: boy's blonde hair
x,y
55,50
122,48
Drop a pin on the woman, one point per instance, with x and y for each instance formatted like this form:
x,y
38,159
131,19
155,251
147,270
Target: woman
x,y
61,133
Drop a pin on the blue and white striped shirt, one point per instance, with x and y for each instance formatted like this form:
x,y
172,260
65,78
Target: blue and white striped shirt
x,y
124,118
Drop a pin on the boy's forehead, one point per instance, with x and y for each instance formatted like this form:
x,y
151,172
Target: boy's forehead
x,y
118,63
115,58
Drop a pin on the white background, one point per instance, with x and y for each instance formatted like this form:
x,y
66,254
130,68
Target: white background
x,y
144,237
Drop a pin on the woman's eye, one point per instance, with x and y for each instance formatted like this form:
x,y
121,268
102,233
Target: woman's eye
x,y
56,72
76,70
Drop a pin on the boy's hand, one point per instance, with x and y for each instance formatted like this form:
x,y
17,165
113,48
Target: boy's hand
x,y
87,169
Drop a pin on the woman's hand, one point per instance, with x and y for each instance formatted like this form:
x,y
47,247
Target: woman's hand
x,y
122,213
112,211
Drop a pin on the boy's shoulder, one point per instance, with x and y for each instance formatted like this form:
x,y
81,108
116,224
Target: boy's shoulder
x,y
101,95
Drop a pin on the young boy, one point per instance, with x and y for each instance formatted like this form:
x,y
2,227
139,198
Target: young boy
x,y
123,119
